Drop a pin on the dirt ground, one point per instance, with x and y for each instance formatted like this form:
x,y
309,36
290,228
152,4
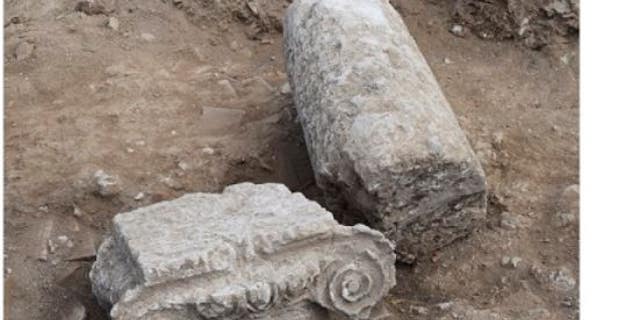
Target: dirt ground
x,y
170,97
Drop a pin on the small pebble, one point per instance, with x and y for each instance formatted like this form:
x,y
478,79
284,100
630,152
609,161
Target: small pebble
x,y
405,258
52,247
107,185
562,280
184,166
444,306
566,302
457,30
419,310
285,89
139,196
447,61
509,221
208,150
172,183
510,262
113,23
77,211
65,241
497,139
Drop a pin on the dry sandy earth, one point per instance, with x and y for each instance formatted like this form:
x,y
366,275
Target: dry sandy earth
x,y
176,96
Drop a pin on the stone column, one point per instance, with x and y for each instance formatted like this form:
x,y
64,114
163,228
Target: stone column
x,y
252,252
380,133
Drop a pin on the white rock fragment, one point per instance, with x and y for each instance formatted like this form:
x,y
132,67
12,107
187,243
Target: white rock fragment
x,y
43,233
251,252
52,246
497,140
77,211
562,279
65,241
457,30
139,196
184,166
107,185
285,89
208,151
172,183
510,262
444,306
113,23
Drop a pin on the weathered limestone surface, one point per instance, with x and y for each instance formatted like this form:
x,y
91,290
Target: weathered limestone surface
x,y
251,252
379,131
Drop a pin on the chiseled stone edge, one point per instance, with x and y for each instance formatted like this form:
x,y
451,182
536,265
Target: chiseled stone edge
x,y
117,281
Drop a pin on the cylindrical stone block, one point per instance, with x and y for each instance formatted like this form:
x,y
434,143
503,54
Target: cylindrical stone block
x,y
379,130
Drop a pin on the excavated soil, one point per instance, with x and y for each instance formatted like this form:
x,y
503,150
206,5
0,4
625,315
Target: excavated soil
x,y
177,96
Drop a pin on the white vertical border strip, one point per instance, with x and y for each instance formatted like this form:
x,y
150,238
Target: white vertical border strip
x,y
610,173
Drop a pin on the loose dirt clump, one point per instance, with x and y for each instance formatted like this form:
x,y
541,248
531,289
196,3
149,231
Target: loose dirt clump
x,y
263,16
535,22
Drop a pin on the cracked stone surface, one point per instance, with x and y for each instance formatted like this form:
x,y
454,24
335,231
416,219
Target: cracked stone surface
x,y
255,251
380,133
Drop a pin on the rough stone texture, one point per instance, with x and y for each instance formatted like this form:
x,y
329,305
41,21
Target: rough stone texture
x,y
252,252
378,128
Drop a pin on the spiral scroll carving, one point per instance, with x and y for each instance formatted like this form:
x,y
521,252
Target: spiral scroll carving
x,y
355,286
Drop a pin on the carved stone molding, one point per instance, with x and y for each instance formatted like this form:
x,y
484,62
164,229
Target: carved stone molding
x,y
251,252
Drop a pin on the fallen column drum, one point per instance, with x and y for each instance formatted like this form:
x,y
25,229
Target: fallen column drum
x,y
379,130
